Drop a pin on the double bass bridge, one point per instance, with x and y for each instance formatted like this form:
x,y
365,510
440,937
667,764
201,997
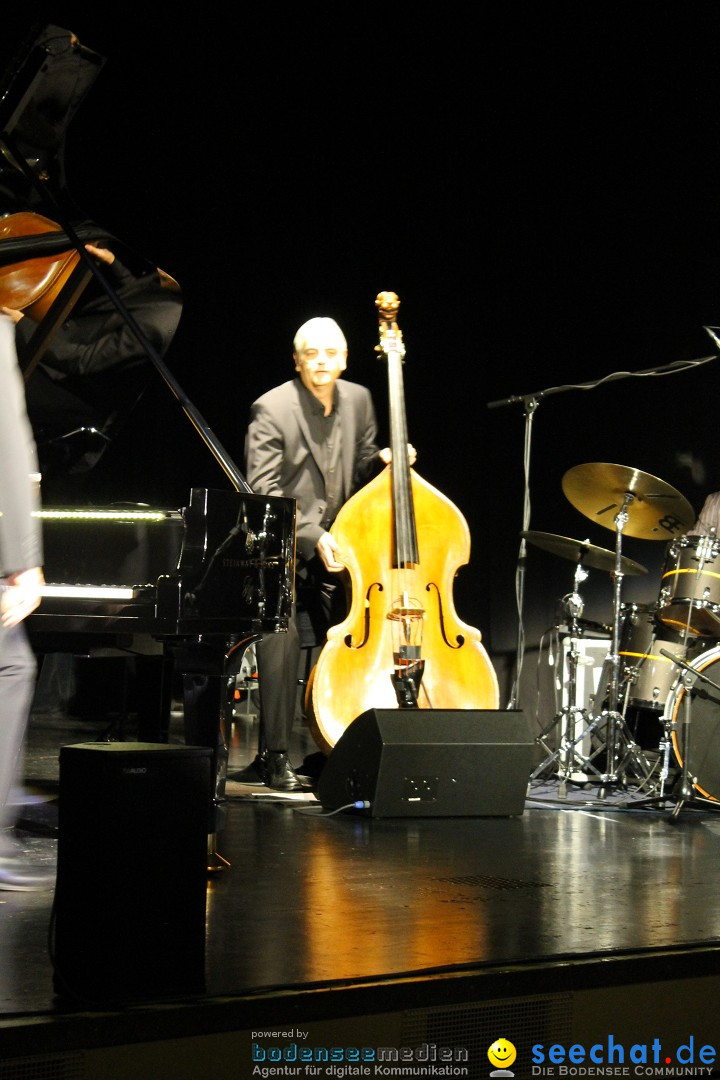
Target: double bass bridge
x,y
407,616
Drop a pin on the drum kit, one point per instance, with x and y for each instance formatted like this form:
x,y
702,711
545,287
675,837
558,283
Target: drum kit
x,y
659,658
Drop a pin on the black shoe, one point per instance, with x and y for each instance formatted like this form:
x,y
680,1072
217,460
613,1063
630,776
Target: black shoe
x,y
254,773
18,877
280,774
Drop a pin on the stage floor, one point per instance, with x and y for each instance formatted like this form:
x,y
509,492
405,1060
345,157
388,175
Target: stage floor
x,y
584,919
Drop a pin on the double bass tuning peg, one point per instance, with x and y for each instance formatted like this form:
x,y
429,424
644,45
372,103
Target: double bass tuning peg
x,y
388,304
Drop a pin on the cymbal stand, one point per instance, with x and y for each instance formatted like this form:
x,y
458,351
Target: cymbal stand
x,y
614,767
574,764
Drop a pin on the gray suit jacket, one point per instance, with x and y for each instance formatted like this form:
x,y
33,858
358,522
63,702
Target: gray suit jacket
x,y
709,517
20,533
281,457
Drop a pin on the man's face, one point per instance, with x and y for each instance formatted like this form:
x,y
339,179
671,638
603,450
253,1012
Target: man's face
x,y
322,359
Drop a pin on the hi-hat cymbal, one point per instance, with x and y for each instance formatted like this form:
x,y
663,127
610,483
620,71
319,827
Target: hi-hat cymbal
x,y
582,551
655,510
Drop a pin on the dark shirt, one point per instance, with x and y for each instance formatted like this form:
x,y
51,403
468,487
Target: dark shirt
x,y
327,433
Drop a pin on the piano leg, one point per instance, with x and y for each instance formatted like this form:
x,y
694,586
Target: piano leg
x,y
153,692
204,704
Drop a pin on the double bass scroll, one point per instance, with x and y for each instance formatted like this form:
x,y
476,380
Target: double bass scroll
x,y
402,644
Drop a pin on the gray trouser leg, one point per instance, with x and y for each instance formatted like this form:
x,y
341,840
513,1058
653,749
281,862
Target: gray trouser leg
x,y
17,686
278,662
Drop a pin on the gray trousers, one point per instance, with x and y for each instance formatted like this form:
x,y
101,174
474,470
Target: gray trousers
x,y
320,603
278,663
17,685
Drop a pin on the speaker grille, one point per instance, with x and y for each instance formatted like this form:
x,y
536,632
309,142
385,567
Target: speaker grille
x,y
524,1021
44,1067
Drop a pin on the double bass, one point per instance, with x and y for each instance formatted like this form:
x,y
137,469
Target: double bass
x,y
402,644
32,285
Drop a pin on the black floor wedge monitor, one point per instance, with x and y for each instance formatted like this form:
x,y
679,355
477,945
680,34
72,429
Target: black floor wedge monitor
x,y
431,763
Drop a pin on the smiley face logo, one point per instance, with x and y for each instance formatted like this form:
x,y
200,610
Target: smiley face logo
x,y
502,1053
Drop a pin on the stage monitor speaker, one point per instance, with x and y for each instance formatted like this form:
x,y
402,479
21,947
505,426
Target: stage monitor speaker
x,y
431,763
128,920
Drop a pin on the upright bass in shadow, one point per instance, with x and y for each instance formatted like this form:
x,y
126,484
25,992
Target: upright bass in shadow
x,y
402,644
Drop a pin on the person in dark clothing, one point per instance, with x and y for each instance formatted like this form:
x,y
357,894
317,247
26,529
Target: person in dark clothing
x,y
94,369
312,439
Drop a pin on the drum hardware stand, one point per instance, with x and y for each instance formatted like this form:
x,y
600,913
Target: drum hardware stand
x,y
616,769
685,791
689,677
575,765
664,746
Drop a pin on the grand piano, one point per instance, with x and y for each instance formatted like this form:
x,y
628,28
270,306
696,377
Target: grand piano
x,y
183,591
192,584
220,565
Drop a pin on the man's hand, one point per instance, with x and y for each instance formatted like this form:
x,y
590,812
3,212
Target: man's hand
x,y
386,455
21,595
100,253
329,552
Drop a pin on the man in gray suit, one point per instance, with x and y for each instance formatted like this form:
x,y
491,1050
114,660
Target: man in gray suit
x,y
21,559
708,522
311,439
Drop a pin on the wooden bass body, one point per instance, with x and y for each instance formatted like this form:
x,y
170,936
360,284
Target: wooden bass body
x,y
398,615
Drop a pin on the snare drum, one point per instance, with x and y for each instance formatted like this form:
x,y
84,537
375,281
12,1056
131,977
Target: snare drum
x,y
690,593
650,676
700,739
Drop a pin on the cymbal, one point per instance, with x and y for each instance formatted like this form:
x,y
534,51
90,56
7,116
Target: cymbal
x,y
582,551
656,510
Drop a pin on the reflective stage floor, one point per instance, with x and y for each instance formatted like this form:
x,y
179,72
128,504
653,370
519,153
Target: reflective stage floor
x,y
588,921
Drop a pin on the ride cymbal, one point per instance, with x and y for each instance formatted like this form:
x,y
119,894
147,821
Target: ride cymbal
x,y
655,510
582,551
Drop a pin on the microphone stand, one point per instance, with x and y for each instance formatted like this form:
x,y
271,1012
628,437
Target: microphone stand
x,y
530,403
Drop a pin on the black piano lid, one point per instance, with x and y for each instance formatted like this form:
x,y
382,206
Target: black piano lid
x,y
43,86
41,93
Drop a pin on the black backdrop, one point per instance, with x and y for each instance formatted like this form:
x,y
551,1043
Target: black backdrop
x,y
538,183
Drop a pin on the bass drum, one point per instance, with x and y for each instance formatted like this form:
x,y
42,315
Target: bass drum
x,y
647,675
700,739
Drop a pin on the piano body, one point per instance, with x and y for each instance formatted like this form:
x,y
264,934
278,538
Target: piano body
x,y
221,565
188,584
186,589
